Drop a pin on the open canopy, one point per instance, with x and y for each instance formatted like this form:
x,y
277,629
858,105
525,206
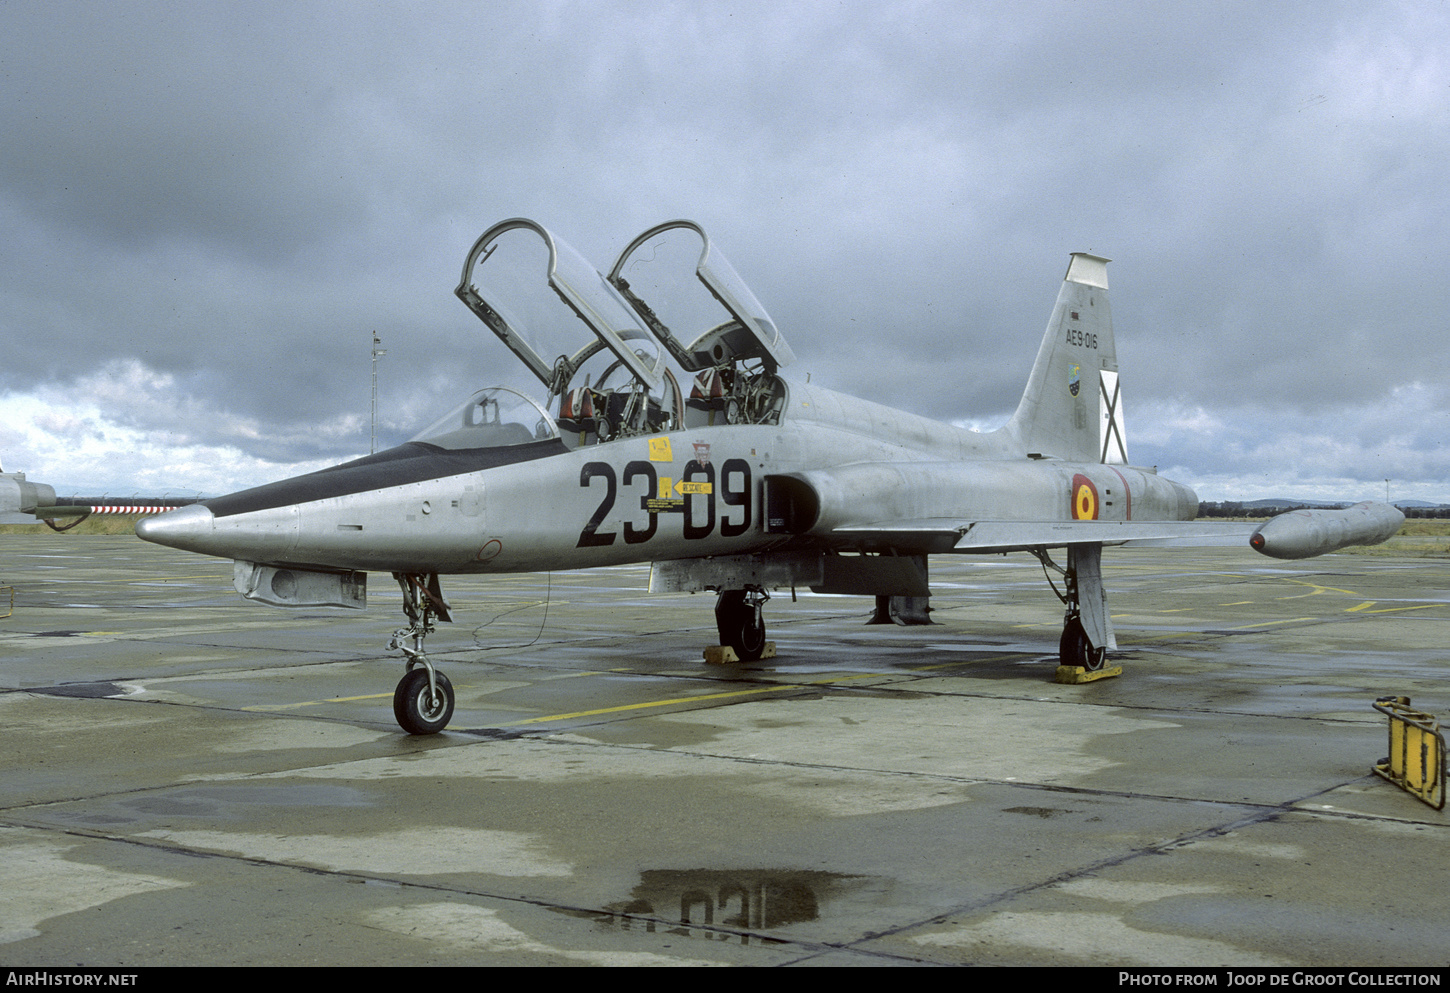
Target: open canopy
x,y
598,343
653,274
506,282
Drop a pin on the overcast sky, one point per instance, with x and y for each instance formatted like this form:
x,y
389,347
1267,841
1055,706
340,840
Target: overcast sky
x,y
208,208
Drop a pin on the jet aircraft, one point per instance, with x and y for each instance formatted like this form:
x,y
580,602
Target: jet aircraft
x,y
743,482
24,502
19,499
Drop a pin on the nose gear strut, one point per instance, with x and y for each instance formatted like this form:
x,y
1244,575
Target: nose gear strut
x,y
423,701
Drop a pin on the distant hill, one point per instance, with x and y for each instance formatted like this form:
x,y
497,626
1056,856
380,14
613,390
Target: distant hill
x,y
1270,507
1286,503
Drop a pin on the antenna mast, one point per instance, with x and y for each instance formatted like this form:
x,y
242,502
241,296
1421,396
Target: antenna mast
x,y
377,354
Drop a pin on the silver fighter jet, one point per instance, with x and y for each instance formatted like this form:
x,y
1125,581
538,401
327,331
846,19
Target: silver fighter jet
x,y
667,434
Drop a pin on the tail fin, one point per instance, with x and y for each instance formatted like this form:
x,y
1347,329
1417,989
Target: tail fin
x,y
1070,409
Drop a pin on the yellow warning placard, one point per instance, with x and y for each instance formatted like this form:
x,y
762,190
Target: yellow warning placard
x,y
659,450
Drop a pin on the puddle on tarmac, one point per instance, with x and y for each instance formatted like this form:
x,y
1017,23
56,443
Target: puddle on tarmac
x,y
84,691
219,803
699,902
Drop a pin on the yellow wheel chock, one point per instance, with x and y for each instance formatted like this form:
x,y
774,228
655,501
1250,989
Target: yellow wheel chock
x,y
1074,675
724,654
1416,763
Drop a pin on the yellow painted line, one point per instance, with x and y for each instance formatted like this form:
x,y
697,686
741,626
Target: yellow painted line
x,y
653,703
384,696
1391,610
263,708
1364,608
740,693
1317,589
1264,624
674,701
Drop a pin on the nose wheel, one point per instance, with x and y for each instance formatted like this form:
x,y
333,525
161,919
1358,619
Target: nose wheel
x,y
423,705
423,701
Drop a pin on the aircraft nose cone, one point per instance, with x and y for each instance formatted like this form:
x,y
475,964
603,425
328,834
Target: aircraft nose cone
x,y
186,527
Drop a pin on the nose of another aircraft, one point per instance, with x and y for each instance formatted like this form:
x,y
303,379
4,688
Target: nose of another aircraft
x,y
186,527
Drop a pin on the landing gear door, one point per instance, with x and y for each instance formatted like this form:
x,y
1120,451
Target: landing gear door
x,y
506,282
653,275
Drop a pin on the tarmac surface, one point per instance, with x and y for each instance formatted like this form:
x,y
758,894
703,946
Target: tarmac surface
x,y
191,779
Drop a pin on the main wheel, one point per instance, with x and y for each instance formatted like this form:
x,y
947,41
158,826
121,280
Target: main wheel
x,y
418,711
740,624
1075,649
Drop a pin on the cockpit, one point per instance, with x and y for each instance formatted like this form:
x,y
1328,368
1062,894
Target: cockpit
x,y
602,346
493,418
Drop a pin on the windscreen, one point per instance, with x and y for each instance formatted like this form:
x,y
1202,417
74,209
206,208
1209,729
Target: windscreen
x,y
491,418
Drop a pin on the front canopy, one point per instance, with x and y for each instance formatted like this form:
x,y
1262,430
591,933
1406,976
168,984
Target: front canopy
x,y
491,418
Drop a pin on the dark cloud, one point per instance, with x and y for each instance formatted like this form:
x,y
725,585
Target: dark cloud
x,y
219,203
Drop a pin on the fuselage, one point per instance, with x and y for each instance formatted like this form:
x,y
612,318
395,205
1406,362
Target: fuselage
x,y
544,503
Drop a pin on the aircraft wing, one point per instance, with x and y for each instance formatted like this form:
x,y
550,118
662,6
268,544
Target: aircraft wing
x,y
1298,534
939,536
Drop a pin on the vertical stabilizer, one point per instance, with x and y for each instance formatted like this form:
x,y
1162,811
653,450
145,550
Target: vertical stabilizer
x,y
1071,408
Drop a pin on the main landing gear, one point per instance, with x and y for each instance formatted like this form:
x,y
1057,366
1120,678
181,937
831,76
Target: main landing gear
x,y
1087,631
423,701
738,618
1075,648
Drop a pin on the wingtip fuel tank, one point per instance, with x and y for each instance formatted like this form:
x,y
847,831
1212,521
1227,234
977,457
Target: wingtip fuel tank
x,y
1301,534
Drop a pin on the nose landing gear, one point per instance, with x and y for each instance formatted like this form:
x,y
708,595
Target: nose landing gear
x,y
423,701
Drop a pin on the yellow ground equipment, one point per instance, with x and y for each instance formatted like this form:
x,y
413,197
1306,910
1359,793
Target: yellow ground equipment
x,y
1073,675
1416,762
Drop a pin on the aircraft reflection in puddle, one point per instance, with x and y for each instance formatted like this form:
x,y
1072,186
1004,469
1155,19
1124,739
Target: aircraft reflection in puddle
x,y
715,903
